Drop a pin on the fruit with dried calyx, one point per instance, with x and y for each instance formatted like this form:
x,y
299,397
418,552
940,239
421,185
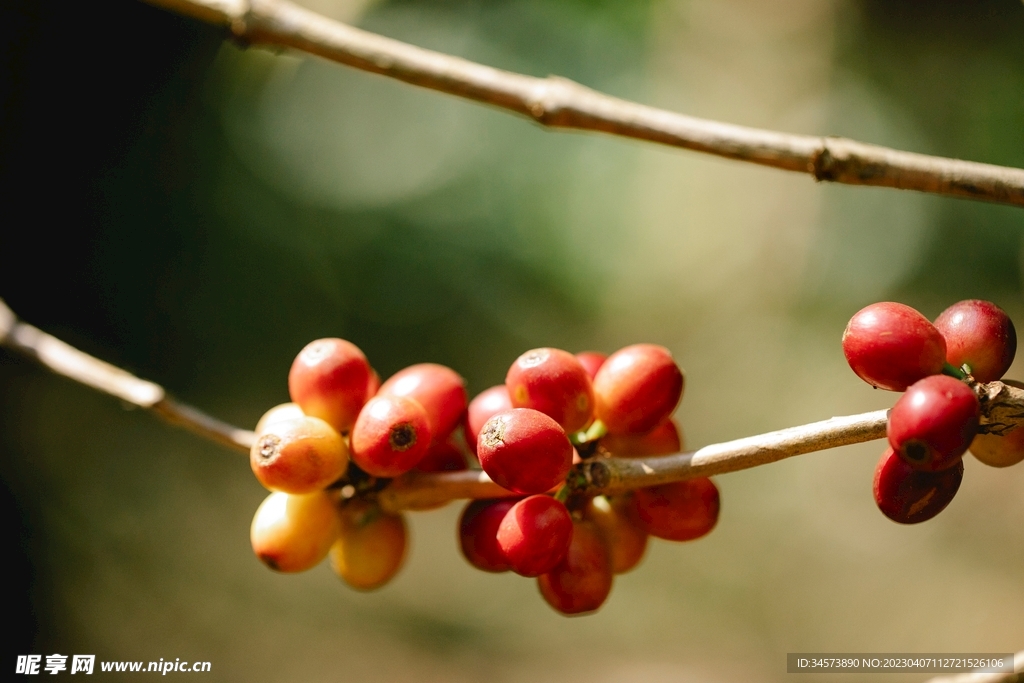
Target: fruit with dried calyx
x,y
391,436
934,422
298,455
524,451
439,389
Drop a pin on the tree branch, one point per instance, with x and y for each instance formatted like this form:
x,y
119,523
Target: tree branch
x,y
68,361
560,103
1002,410
610,475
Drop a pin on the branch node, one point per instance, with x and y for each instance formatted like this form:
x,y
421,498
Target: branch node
x,y
551,99
824,166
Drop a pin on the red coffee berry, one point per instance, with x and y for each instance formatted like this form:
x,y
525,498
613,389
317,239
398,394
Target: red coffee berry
x,y
524,451
932,425
581,582
486,405
665,439
328,379
478,533
891,346
555,383
637,388
371,545
909,496
439,389
616,518
298,455
391,435
680,511
980,334
534,535
292,533
591,361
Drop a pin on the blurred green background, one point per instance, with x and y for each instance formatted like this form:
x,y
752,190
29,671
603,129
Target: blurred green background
x,y
196,213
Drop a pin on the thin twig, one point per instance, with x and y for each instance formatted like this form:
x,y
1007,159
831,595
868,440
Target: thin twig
x,y
560,103
609,475
1002,409
68,361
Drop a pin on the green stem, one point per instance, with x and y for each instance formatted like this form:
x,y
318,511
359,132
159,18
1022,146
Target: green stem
x,y
953,371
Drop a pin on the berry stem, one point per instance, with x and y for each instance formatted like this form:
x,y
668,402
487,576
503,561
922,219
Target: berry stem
x,y
954,371
595,431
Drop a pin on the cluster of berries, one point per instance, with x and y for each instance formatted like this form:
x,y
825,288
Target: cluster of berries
x,y
940,368
341,437
344,435
556,408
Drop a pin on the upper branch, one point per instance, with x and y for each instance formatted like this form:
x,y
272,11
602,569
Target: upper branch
x,y
560,103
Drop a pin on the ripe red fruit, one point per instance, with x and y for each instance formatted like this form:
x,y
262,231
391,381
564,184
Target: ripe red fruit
x,y
555,383
665,439
534,535
980,334
581,582
591,361
932,425
616,518
891,346
439,389
680,511
909,496
292,533
524,451
637,388
298,455
371,545
328,379
478,533
486,405
391,436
